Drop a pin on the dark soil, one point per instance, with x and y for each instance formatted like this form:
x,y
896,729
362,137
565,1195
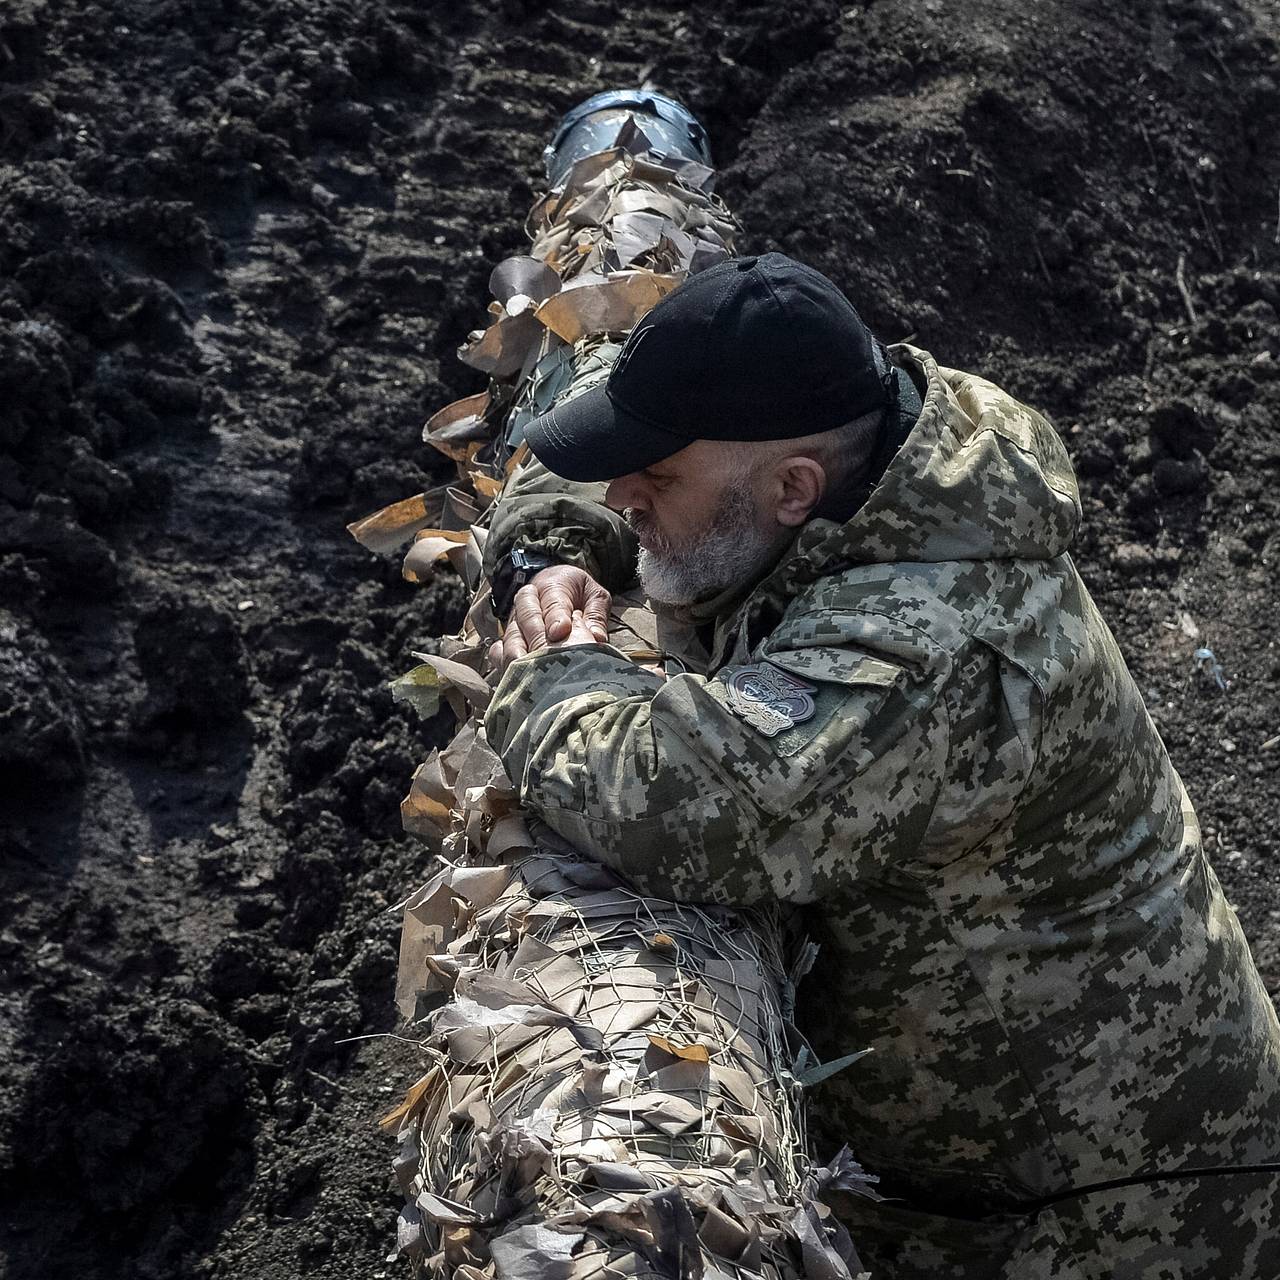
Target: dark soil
x,y
241,240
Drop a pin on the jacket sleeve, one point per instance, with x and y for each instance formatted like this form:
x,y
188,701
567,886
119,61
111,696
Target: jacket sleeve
x,y
667,783
540,511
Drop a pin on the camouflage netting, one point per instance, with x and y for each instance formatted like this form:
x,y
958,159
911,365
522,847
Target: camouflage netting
x,y
612,1085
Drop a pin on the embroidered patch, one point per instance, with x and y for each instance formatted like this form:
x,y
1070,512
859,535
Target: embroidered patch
x,y
769,699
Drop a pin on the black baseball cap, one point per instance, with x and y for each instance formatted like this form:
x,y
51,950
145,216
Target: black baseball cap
x,y
750,349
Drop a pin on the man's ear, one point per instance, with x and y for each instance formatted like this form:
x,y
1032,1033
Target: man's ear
x,y
799,483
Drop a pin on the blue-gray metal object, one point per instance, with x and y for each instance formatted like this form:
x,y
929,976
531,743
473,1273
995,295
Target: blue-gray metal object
x,y
593,125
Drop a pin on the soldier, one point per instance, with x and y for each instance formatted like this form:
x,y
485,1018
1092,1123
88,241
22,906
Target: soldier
x,y
891,703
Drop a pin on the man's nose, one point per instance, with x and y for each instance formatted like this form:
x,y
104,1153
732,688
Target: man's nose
x,y
626,491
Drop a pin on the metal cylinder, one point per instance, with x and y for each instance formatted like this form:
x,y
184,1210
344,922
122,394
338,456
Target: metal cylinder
x,y
593,125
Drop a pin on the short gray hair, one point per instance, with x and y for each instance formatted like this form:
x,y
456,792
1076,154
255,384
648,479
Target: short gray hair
x,y
842,452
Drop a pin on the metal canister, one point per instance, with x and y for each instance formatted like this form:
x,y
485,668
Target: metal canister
x,y
594,124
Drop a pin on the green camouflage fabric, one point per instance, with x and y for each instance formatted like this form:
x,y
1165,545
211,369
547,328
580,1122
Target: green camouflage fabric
x,y
538,511
981,827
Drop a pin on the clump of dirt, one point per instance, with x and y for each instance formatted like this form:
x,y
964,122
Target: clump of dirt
x,y
242,240
41,737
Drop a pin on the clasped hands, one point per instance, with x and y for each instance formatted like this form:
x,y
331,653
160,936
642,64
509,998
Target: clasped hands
x,y
561,606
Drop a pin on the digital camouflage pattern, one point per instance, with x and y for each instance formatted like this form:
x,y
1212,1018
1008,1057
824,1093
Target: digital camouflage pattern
x,y
983,830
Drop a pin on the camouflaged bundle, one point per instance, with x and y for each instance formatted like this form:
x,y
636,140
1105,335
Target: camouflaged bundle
x,y
919,732
604,1097
612,1084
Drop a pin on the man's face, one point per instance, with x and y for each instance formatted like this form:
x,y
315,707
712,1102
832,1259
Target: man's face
x,y
702,520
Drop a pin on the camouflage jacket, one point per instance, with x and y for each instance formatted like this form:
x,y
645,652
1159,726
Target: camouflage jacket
x,y
918,729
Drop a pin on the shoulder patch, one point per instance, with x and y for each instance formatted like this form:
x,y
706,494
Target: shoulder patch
x,y
769,699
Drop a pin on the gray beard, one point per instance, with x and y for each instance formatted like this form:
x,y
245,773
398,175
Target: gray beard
x,y
732,549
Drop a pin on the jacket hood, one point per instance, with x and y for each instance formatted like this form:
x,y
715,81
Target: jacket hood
x,y
980,477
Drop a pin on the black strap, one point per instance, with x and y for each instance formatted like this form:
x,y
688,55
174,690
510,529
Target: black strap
x,y
1141,1179
899,417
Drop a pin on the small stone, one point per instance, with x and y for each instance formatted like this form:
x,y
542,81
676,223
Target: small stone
x,y
1133,557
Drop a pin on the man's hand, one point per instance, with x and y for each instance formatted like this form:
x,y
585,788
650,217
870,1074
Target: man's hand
x,y
562,605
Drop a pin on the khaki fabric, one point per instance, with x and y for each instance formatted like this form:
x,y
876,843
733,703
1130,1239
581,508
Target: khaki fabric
x,y
980,825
